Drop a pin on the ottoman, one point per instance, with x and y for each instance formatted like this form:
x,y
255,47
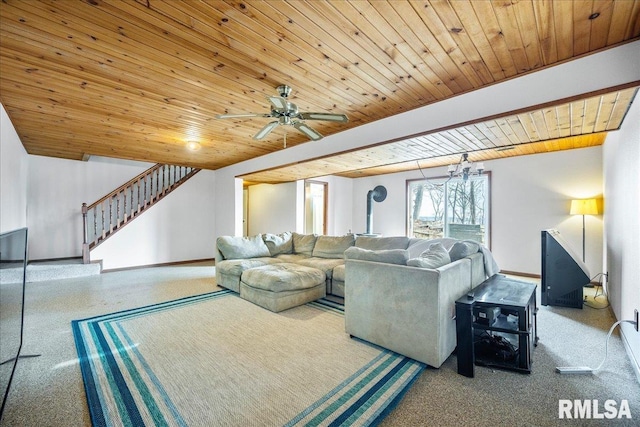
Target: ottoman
x,y
278,287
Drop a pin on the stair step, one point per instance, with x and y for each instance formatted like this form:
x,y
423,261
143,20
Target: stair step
x,y
39,272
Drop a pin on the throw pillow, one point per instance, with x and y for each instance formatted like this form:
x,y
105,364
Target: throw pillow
x,y
434,257
279,243
418,245
332,246
380,243
304,243
232,247
388,256
463,249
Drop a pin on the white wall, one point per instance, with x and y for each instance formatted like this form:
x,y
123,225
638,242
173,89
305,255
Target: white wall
x,y
389,216
57,189
46,194
13,176
528,194
340,204
272,208
280,207
178,228
533,193
622,223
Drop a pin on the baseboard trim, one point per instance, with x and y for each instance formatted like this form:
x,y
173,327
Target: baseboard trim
x,y
67,258
164,264
537,276
635,363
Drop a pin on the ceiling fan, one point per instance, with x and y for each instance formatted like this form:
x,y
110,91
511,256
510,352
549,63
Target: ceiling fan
x,y
286,113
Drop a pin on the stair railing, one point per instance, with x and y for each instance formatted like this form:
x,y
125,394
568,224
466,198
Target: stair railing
x,y
106,216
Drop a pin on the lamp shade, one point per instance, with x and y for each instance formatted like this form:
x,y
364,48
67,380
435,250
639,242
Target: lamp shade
x,y
584,207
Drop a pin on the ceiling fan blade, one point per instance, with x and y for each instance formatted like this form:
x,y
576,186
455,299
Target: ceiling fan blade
x,y
265,130
302,127
278,102
330,117
240,116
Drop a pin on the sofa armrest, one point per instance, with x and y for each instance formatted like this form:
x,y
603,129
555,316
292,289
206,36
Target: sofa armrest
x,y
408,310
478,274
218,255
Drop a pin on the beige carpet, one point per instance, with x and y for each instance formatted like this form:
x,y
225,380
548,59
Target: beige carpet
x,y
48,391
217,359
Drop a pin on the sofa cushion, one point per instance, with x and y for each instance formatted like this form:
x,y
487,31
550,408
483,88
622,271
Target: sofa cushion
x,y
338,273
292,257
380,243
388,256
325,264
283,277
232,247
304,243
279,243
418,245
333,246
463,249
434,257
235,267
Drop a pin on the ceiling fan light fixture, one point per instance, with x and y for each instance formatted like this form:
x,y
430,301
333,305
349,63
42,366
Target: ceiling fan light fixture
x,y
239,116
284,90
278,102
286,113
311,133
193,145
327,116
265,130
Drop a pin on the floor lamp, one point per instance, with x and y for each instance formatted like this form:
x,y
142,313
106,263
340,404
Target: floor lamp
x,y
584,207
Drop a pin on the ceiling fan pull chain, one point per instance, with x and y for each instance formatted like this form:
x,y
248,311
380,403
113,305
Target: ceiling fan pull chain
x,y
285,139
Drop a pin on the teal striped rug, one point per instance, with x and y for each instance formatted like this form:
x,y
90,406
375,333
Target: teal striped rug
x,y
216,359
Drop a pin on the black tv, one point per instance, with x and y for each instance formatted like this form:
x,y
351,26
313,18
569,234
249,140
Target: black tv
x,y
13,267
564,275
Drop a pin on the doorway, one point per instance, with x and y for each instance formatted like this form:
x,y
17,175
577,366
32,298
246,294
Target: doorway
x,y
315,207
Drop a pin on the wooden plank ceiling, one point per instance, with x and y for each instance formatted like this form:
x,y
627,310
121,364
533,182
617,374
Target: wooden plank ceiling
x,y
138,79
578,124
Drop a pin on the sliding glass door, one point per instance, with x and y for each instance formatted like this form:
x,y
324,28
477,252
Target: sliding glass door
x,y
445,207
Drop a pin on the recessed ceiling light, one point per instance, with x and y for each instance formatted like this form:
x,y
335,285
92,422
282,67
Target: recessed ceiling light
x,y
193,145
594,15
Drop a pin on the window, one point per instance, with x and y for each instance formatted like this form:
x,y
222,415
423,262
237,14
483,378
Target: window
x,y
443,207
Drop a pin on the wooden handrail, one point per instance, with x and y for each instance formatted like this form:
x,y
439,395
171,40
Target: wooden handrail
x,y
145,190
125,185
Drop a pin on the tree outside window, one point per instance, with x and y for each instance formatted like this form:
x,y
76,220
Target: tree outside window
x,y
449,208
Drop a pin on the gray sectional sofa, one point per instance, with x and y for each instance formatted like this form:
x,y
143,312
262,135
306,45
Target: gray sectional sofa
x,y
399,293
234,255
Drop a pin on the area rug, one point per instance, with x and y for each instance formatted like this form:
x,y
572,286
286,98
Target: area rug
x,y
216,359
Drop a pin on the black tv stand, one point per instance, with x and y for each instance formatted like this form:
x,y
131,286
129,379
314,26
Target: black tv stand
x,y
496,324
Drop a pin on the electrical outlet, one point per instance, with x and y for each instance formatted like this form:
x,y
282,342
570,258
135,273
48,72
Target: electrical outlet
x,y
635,317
